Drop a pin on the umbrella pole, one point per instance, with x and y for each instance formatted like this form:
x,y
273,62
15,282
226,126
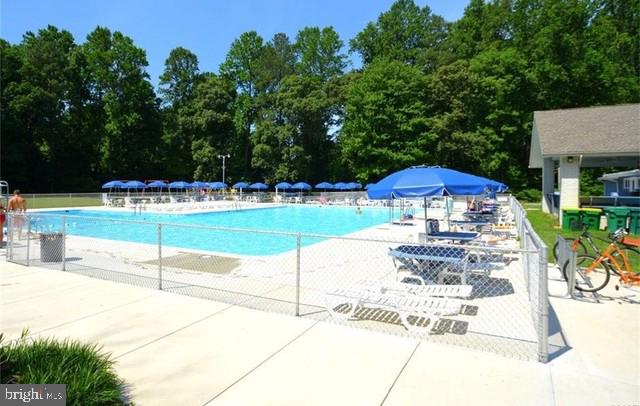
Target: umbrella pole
x,y
426,227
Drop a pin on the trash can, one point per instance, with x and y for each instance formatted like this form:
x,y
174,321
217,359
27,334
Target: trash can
x,y
634,220
51,247
616,218
591,217
570,219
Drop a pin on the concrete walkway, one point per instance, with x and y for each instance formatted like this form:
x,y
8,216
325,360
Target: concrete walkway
x,y
174,349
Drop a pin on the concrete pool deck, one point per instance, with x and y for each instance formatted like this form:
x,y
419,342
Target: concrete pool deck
x,y
178,349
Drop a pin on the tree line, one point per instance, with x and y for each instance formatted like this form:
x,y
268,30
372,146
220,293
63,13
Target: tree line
x,y
457,94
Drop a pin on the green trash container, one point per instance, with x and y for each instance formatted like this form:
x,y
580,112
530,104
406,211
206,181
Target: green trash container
x,y
616,218
570,219
634,220
591,217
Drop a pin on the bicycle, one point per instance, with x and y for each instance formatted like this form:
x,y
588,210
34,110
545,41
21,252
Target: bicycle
x,y
579,247
593,273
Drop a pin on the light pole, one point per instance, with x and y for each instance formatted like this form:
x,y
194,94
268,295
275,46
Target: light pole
x,y
224,164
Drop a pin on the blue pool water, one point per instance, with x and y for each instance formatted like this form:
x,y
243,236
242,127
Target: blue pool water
x,y
175,233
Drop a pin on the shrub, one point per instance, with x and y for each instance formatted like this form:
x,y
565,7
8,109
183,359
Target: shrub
x,y
84,368
529,195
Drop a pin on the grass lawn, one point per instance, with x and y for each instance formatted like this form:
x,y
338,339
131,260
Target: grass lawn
x,y
52,202
547,228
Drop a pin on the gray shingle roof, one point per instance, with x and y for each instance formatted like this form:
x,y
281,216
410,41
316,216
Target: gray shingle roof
x,y
603,130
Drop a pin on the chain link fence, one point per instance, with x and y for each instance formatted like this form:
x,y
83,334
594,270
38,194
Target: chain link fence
x,y
490,298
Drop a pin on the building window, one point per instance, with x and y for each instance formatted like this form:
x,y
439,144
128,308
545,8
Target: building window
x,y
631,184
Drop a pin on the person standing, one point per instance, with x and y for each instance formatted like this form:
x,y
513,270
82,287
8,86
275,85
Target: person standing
x,y
17,206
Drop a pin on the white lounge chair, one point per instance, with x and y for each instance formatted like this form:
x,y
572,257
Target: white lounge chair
x,y
395,298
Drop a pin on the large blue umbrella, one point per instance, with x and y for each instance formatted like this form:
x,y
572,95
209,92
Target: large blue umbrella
x,y
179,185
341,186
368,186
199,185
217,185
427,181
354,185
157,183
324,185
241,185
114,184
283,185
258,186
134,184
301,186
494,185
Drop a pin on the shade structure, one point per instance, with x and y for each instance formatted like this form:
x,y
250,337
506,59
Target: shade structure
x,y
427,181
301,186
324,185
199,185
179,185
283,185
494,185
217,185
241,185
341,186
258,186
354,185
134,184
114,184
368,185
157,183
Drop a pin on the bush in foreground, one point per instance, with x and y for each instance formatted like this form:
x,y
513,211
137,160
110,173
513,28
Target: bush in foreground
x,y
84,368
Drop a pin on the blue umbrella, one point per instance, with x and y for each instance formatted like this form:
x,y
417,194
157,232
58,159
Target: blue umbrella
x,y
241,185
341,186
283,185
199,185
217,185
157,183
258,186
355,185
301,186
368,186
427,181
179,185
324,185
114,184
134,184
494,185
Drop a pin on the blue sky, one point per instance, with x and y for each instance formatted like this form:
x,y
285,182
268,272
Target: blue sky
x,y
206,27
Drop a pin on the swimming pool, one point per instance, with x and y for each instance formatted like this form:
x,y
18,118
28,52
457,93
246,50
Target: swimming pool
x,y
176,232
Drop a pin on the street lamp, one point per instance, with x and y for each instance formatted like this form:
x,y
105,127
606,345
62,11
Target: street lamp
x,y
224,162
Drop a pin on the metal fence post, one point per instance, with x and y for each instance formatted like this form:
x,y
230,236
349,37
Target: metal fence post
x,y
543,308
298,238
9,236
28,239
160,256
64,243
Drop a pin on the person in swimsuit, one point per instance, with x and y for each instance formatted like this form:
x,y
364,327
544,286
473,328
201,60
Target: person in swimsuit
x,y
18,206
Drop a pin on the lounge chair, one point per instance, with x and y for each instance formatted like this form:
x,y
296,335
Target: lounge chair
x,y
406,305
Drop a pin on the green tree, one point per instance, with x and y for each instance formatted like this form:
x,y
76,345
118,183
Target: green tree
x,y
405,33
385,127
318,53
242,67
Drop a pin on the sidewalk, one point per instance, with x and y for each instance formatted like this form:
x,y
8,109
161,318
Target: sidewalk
x,y
174,349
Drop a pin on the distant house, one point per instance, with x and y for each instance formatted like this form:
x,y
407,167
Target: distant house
x,y
625,183
563,141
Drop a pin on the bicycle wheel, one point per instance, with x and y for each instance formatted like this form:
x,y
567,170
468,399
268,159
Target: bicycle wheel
x,y
581,249
588,280
633,256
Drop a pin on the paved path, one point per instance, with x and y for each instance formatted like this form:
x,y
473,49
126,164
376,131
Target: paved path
x,y
174,349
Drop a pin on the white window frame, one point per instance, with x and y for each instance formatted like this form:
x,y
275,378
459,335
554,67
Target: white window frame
x,y
631,184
